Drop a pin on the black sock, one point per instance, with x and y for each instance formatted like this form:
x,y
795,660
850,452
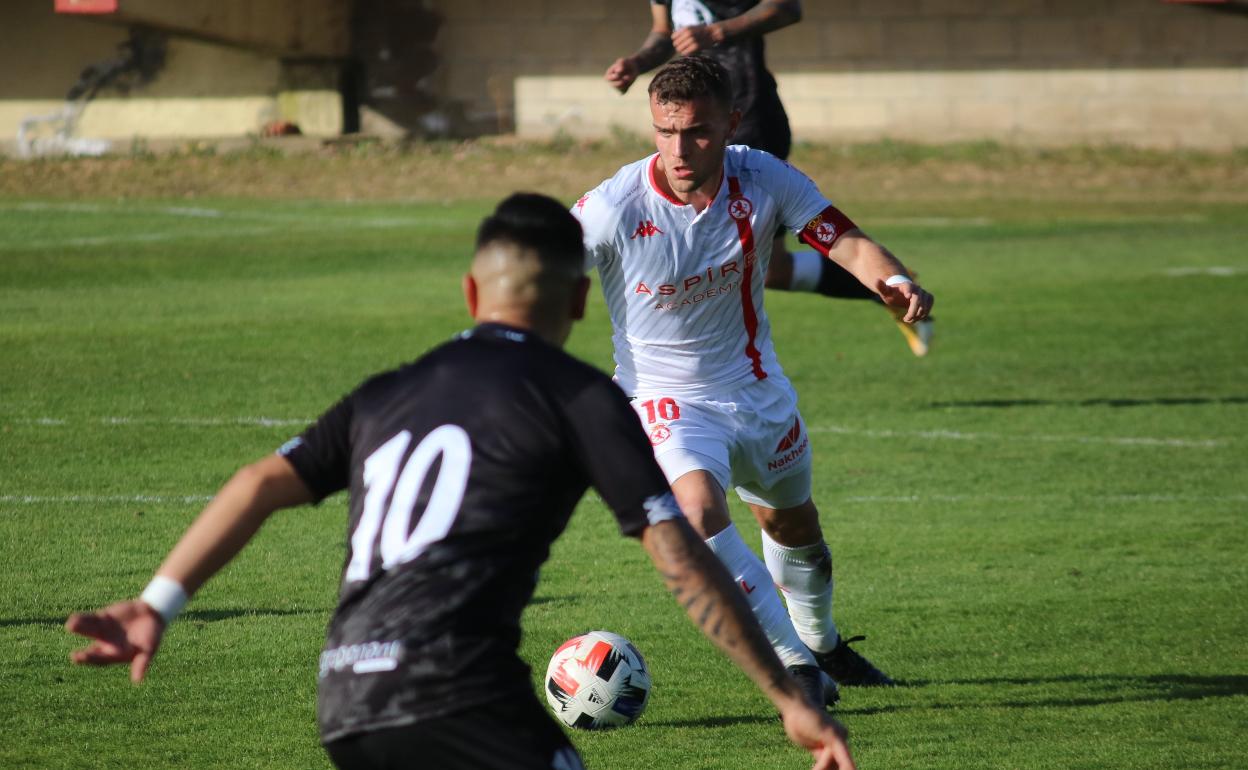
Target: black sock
x,y
836,281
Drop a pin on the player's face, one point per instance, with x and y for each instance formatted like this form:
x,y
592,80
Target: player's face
x,y
691,137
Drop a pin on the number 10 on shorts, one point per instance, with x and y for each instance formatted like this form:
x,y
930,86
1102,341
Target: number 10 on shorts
x,y
661,409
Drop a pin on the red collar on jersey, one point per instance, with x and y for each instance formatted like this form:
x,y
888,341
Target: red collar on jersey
x,y
653,174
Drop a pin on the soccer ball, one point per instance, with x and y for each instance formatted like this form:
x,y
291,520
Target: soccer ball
x,y
597,680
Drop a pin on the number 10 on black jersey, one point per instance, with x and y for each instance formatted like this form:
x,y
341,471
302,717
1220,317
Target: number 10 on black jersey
x,y
387,477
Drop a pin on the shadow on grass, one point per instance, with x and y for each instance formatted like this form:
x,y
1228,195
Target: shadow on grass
x,y
1007,403
724,721
1099,690
202,616
549,599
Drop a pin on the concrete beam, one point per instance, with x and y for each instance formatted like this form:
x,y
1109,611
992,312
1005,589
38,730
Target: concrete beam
x,y
314,29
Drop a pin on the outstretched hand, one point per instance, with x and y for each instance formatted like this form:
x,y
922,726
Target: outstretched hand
x,y
689,40
622,74
126,632
825,738
916,300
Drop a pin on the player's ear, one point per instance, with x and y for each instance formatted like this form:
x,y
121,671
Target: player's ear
x,y
579,296
470,294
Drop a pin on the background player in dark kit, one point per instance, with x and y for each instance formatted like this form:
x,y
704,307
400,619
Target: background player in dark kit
x,y
731,31
487,443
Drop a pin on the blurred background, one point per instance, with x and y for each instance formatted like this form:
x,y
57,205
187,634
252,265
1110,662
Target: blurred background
x,y
1035,72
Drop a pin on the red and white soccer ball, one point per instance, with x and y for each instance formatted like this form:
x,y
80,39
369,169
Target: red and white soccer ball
x,y
597,680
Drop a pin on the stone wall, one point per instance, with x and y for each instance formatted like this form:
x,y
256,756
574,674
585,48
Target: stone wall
x,y
203,89
1031,71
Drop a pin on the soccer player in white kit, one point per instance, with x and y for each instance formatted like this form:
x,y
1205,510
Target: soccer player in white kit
x,y
681,242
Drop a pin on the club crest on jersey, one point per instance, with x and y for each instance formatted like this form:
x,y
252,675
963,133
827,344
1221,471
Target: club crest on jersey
x,y
825,232
580,204
659,434
740,208
645,229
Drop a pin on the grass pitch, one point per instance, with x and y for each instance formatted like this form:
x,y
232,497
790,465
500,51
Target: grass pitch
x,y
1041,527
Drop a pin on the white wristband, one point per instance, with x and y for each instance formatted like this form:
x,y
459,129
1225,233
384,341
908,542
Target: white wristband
x,y
166,596
894,280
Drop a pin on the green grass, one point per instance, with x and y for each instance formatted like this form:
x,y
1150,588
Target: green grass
x,y
1042,527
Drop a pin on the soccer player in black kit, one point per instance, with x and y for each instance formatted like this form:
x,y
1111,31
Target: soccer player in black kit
x,y
731,32
463,467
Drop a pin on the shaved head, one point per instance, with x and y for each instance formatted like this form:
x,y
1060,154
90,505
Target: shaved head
x,y
528,269
508,274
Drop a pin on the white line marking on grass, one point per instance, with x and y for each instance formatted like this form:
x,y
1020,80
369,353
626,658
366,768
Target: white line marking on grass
x,y
193,211
311,217
945,435
280,224
1221,271
95,499
911,499
150,237
953,435
198,212
264,422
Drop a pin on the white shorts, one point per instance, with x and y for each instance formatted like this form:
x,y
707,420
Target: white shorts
x,y
751,439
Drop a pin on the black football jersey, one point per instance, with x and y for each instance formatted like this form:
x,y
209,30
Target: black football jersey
x,y
463,467
753,86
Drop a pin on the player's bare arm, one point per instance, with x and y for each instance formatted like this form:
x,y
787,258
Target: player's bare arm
x,y
130,631
875,266
698,581
767,16
656,49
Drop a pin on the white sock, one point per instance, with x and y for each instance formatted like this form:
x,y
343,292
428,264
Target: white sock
x,y
807,267
748,572
804,574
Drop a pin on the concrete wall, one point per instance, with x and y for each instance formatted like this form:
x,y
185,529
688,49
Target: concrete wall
x,y
1032,71
204,90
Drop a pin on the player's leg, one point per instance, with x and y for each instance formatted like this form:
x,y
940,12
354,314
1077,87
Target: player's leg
x,y
775,482
701,497
505,734
691,442
799,561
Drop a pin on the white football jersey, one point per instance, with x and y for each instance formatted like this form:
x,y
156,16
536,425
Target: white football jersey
x,y
685,289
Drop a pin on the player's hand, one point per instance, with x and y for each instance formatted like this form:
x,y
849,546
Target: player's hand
x,y
825,738
916,300
690,40
622,74
126,632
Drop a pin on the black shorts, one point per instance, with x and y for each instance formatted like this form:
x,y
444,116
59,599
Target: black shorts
x,y
513,735
766,129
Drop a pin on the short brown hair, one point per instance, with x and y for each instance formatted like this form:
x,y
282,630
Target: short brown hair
x,y
691,77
